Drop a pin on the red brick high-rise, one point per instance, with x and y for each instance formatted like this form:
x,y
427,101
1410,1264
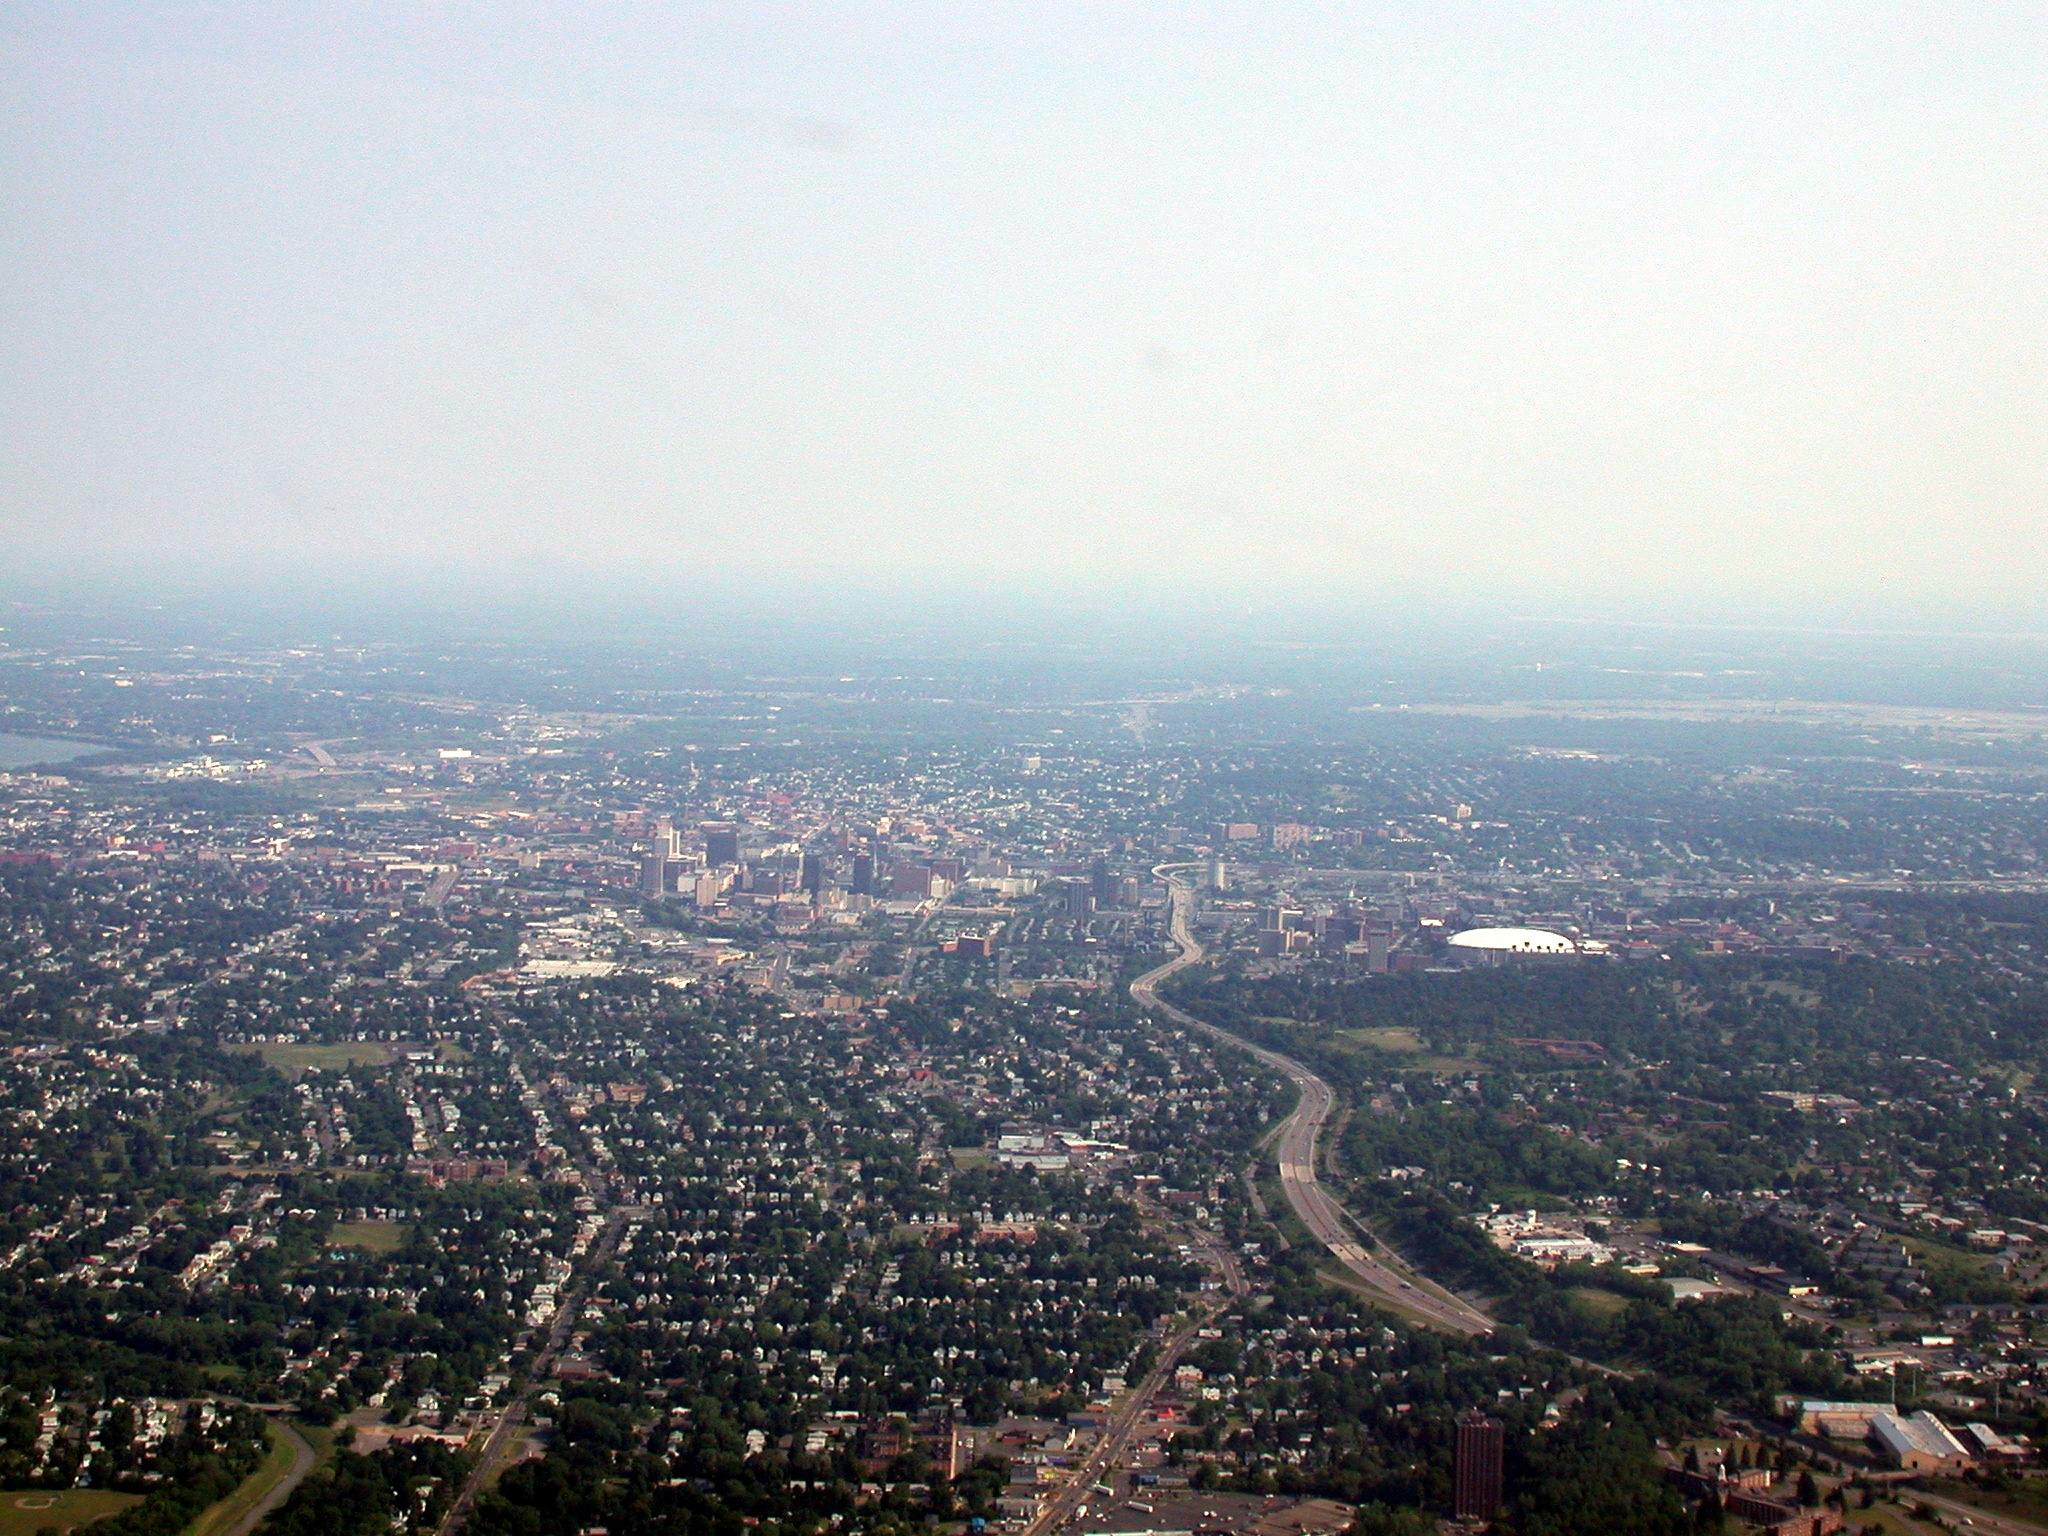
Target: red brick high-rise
x,y
1476,1487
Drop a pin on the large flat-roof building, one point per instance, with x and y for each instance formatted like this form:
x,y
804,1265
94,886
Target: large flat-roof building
x,y
1917,1443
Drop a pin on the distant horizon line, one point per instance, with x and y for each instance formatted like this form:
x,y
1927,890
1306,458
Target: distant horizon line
x,y
907,603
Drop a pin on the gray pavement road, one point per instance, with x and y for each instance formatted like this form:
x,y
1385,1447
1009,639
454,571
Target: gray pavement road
x,y
302,1463
1296,1148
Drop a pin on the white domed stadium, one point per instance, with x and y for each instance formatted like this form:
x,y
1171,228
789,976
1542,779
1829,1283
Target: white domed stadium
x,y
1500,943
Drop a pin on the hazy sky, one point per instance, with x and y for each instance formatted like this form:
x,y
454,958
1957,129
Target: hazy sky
x,y
1710,305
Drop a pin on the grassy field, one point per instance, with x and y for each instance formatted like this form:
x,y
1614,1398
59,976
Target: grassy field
x,y
1933,1254
1390,1037
1893,1520
319,1438
1398,1040
1795,992
2027,1500
294,1059
371,1236
1342,1278
1384,1040
1600,1303
269,1473
25,1513
1267,1183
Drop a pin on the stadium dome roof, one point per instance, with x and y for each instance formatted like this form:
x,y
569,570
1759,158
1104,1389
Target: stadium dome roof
x,y
1520,941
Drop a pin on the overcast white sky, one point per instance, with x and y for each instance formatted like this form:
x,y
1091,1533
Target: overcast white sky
x,y
1699,305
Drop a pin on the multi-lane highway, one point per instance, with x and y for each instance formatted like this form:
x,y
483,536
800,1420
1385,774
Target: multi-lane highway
x,y
1296,1145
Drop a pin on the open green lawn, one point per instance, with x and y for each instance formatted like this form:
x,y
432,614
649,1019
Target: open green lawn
x,y
526,1442
1797,993
275,1170
1392,1037
1396,1039
371,1236
295,1058
1597,1301
1399,1040
24,1512
1934,1254
326,788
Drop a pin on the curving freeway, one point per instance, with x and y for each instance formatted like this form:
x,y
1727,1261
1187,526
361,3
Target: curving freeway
x,y
1295,1144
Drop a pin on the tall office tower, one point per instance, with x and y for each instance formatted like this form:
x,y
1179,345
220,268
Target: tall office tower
x,y
721,845
653,875
1079,902
1476,1480
812,874
665,838
863,874
1376,949
1283,917
1219,875
1101,885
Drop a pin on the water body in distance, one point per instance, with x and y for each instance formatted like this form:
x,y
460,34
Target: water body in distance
x,y
41,751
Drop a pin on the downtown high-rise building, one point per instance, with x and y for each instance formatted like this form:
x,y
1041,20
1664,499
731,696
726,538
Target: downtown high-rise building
x,y
1101,884
721,846
663,839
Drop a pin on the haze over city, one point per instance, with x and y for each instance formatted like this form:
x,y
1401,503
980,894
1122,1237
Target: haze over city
x,y
1023,770
1710,312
